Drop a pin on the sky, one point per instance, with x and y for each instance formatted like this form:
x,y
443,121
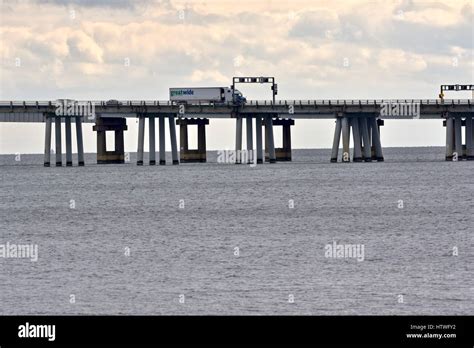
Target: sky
x,y
138,49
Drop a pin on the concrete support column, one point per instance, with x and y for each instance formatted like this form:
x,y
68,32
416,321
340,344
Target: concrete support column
x,y
68,142
286,151
101,147
469,139
366,139
183,138
151,136
458,137
238,140
141,140
80,142
449,138
258,129
57,128
250,153
345,140
269,136
47,141
357,142
202,142
336,140
119,146
162,140
376,140
174,144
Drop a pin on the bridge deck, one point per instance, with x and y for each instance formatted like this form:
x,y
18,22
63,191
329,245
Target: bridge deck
x,y
33,111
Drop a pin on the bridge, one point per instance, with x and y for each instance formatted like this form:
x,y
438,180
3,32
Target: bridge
x,y
362,118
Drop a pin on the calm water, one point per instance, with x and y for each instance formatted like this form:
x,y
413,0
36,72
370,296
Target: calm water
x,y
190,250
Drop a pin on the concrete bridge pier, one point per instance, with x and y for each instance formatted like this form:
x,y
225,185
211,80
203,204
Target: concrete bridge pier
x,y
365,132
250,154
337,140
174,143
141,140
103,125
449,124
238,139
357,156
80,143
269,141
57,128
469,135
258,130
194,155
151,137
458,137
346,134
376,143
454,145
47,141
161,126
68,142
366,146
281,153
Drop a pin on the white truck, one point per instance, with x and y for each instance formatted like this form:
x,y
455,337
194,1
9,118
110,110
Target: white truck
x,y
216,95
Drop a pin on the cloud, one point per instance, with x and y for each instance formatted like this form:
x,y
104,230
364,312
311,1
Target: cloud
x,y
304,44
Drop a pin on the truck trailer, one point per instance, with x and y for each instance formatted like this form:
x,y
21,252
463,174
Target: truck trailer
x,y
196,95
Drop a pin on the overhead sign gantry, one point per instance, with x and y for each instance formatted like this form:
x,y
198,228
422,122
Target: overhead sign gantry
x,y
260,79
455,88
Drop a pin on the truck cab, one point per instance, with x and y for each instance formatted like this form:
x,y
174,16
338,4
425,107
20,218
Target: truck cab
x,y
239,98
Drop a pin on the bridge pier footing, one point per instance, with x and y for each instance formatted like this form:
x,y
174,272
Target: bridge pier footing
x,y
102,125
194,155
455,149
366,139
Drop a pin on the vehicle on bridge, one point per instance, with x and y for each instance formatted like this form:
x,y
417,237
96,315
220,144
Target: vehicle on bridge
x,y
211,95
